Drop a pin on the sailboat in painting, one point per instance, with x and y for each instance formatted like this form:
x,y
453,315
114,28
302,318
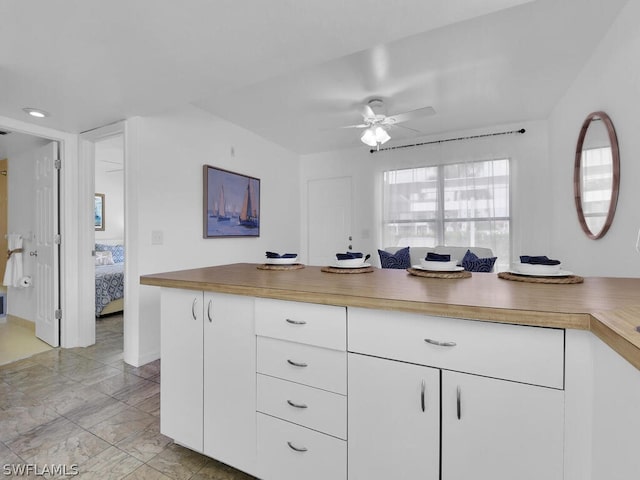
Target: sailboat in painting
x,y
222,216
248,215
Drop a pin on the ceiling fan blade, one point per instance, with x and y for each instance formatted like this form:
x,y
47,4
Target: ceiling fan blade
x,y
395,125
413,114
367,112
362,125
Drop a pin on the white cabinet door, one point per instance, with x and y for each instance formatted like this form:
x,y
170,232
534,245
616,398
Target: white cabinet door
x,y
394,420
181,366
500,430
230,380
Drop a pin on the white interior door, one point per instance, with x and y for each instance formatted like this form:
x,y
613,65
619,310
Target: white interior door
x,y
46,283
329,219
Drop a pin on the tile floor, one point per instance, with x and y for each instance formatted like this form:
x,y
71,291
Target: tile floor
x,y
85,406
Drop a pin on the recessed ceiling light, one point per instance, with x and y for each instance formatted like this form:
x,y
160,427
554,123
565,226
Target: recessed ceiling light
x,y
36,112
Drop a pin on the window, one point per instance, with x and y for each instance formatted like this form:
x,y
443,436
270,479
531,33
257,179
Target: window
x,y
463,204
597,178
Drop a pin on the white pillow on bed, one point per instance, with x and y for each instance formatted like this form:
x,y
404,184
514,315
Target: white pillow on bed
x,y
104,258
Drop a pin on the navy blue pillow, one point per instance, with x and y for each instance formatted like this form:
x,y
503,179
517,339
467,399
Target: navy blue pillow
x,y
472,263
400,259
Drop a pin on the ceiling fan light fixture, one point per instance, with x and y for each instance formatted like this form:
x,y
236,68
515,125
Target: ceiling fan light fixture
x,y
381,135
375,136
369,137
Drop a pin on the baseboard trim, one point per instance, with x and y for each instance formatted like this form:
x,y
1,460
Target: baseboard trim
x,y
144,359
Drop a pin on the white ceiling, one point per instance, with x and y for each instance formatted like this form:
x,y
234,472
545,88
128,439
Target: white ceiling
x,y
294,71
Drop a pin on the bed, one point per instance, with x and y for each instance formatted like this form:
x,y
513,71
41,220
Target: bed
x,y
109,278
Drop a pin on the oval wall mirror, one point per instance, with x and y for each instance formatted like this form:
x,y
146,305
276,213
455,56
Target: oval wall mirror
x,y
596,174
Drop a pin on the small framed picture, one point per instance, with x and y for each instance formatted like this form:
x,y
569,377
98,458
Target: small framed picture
x,y
231,204
98,210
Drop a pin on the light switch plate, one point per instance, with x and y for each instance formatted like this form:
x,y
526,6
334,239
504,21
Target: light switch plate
x,y
157,237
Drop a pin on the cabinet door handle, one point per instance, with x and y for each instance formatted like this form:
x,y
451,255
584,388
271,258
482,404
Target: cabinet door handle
x,y
439,343
297,405
422,399
295,322
297,449
297,364
193,308
458,402
209,311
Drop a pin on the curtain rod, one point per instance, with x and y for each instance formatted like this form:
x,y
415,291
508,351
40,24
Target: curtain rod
x,y
522,130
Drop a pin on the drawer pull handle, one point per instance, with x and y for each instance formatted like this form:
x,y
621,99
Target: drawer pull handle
x,y
297,364
422,399
296,322
209,311
297,405
458,403
439,343
297,449
193,308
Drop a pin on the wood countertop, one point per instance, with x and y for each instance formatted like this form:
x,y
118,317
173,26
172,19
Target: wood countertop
x,y
609,307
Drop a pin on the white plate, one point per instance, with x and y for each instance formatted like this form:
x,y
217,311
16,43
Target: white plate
x,y
448,269
362,265
536,269
439,266
561,273
281,261
350,261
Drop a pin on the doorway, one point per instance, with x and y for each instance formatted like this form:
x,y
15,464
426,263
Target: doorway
x,y
109,225
29,228
101,171
4,217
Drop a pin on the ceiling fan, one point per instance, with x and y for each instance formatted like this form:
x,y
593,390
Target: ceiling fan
x,y
376,122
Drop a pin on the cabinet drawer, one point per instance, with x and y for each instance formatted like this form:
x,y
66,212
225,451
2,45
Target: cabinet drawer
x,y
291,452
314,366
520,353
310,407
321,325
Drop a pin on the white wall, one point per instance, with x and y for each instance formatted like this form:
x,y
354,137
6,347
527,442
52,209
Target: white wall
x,y
164,178
110,181
610,82
530,180
22,218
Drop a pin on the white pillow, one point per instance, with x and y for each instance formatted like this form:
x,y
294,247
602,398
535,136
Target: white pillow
x,y
104,258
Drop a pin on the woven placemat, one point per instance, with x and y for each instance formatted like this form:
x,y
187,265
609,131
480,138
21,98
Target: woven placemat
x,y
346,270
291,266
524,278
432,274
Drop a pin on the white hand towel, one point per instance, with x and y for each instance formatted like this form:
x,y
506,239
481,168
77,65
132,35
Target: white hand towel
x,y
13,273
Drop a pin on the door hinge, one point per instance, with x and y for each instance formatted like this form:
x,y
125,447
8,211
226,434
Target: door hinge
x,y
57,314
58,239
57,163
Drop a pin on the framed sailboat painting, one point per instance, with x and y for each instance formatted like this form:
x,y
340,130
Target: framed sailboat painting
x,y
231,204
